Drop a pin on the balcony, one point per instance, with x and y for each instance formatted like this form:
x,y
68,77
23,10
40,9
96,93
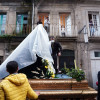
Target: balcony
x,y
15,30
94,31
14,33
94,34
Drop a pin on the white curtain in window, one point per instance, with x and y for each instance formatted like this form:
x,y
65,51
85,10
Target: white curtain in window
x,y
19,18
68,25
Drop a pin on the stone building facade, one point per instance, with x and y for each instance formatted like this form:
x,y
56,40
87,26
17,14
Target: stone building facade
x,y
79,19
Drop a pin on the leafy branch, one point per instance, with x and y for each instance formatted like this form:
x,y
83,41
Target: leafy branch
x,y
77,74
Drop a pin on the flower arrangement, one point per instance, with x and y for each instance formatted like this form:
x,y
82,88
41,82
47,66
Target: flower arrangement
x,y
48,72
75,73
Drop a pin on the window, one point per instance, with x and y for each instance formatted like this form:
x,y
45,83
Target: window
x,y
2,23
94,23
65,24
43,16
22,22
45,19
97,54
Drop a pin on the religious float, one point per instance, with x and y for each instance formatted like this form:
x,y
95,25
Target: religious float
x,y
70,84
35,49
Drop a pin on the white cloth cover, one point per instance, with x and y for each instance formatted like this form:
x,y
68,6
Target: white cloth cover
x,y
37,42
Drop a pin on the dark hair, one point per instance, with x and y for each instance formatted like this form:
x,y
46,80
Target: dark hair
x,y
52,38
12,67
39,22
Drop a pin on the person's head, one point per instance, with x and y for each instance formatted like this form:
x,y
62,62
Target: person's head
x,y
47,18
90,20
39,20
52,39
12,67
62,26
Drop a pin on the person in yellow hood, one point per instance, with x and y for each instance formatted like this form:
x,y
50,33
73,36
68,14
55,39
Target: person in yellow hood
x,y
16,86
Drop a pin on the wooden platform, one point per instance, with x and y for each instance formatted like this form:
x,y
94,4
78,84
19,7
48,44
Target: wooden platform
x,y
63,89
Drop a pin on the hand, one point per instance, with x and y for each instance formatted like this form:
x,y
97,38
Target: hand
x,y
59,54
38,93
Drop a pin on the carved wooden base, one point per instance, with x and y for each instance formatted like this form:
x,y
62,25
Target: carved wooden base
x,y
63,89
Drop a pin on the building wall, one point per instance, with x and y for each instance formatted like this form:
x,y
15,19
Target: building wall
x,y
79,13
11,10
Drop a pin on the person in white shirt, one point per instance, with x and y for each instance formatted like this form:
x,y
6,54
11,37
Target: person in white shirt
x,y
47,24
62,30
91,26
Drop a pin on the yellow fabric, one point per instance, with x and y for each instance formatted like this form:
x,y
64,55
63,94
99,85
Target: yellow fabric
x,y
16,87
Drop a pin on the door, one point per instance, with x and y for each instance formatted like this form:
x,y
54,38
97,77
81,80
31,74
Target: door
x,y
95,66
67,59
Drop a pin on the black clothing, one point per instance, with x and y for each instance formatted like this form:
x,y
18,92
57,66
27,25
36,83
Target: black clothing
x,y
56,48
39,22
35,70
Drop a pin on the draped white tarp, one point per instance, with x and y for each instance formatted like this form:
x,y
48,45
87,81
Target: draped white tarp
x,y
37,42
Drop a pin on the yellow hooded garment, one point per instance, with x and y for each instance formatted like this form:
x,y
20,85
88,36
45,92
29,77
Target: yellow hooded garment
x,y
16,87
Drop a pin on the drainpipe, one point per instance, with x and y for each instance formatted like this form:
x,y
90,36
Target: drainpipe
x,y
32,14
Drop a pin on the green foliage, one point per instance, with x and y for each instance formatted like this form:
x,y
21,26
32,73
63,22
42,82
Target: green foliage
x,y
5,36
12,35
45,62
49,74
65,70
77,74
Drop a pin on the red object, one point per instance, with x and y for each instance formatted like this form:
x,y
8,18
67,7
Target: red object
x,y
97,83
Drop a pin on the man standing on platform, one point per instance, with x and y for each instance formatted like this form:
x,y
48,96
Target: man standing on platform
x,y
55,52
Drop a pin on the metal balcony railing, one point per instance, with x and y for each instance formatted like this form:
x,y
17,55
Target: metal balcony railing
x,y
2,29
67,31
21,29
94,31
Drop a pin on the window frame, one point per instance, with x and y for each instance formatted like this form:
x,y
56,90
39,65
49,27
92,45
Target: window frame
x,y
22,18
98,20
3,13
